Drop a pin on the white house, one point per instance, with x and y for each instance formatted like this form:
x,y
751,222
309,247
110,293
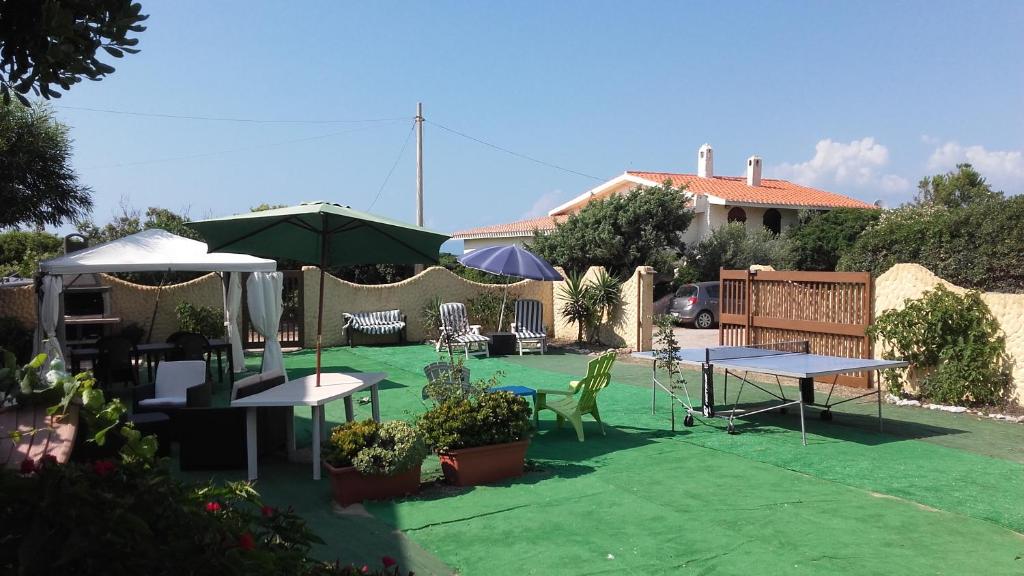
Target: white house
x,y
759,202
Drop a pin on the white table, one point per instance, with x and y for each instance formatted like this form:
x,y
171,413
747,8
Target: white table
x,y
304,392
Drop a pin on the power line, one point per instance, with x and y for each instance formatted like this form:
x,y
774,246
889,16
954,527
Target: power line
x,y
513,153
228,119
231,150
393,166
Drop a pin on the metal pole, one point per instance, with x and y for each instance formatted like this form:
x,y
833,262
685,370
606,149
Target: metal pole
x,y
419,173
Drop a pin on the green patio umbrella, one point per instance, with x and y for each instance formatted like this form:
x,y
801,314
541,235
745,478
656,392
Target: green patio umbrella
x,y
322,234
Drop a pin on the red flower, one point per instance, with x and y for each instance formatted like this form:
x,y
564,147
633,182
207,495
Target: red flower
x,y
103,468
366,569
246,541
48,460
388,561
267,511
28,466
212,507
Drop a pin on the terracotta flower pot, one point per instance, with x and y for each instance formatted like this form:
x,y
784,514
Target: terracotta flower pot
x,y
349,486
484,464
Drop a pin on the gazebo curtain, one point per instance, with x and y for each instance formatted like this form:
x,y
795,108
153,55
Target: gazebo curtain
x,y
233,311
265,308
49,318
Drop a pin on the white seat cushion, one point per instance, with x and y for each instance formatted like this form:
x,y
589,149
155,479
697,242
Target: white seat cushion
x,y
174,401
174,378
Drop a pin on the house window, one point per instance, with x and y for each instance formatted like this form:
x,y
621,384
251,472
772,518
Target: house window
x,y
737,214
773,220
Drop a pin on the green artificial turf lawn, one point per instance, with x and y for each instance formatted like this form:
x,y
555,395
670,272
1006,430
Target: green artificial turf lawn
x,y
935,494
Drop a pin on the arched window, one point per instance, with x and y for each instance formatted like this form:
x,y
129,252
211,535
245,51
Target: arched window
x,y
737,214
773,220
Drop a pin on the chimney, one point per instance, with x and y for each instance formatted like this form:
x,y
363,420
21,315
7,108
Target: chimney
x,y
754,171
706,161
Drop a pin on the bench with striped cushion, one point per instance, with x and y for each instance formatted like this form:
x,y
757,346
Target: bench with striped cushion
x,y
529,325
383,322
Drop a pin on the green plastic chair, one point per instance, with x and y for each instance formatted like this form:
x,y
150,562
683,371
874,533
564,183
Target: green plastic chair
x,y
580,398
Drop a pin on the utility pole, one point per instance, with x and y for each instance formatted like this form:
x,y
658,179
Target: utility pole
x,y
419,172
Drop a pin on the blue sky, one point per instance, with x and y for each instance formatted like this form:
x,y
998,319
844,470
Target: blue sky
x,y
858,98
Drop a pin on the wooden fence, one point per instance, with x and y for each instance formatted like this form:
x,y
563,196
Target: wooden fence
x,y
831,310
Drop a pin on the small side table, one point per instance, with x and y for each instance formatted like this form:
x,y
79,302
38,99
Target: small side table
x,y
501,344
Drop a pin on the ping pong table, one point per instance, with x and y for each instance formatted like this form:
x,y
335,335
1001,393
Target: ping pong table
x,y
781,360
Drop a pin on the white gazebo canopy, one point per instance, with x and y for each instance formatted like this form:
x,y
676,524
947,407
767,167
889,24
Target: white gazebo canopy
x,y
153,250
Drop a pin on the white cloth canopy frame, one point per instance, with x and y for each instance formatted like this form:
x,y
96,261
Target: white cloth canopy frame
x,y
156,250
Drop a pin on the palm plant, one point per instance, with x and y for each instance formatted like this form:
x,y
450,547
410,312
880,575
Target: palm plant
x,y
579,307
431,315
606,294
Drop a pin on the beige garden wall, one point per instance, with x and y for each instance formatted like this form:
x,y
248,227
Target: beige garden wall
x,y
631,325
20,303
132,303
410,296
904,281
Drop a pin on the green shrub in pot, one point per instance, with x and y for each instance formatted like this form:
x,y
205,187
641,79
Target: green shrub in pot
x,y
467,422
376,449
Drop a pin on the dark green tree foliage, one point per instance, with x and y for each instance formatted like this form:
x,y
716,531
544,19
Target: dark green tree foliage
x,y
20,251
641,228
955,189
822,237
978,246
37,183
51,44
733,246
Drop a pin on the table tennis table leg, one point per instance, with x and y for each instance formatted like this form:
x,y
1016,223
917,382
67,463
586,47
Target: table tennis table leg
x,y
803,430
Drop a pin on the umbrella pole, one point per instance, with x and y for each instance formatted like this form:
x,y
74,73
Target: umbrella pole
x,y
504,295
319,325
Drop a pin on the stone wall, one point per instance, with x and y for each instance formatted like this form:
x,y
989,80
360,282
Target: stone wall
x,y
20,303
904,281
410,296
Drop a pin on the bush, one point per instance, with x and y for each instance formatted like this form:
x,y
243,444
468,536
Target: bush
x,y
492,418
14,336
485,309
431,317
979,246
821,238
954,346
20,252
376,449
734,246
200,319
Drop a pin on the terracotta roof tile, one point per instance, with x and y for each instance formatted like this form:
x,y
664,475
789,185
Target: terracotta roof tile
x,y
518,228
735,189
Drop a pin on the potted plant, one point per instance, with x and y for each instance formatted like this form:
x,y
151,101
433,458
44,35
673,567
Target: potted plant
x,y
479,439
370,461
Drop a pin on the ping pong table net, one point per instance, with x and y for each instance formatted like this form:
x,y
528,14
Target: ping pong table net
x,y
758,350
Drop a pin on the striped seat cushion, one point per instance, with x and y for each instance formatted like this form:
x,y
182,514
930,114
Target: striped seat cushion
x,y
384,322
469,338
527,335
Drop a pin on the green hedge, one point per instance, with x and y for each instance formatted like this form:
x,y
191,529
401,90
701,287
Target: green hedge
x,y
979,246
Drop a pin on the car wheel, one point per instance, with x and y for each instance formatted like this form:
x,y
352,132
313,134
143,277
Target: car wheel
x,y
704,320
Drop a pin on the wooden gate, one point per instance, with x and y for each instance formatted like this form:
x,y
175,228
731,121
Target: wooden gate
x,y
291,329
831,310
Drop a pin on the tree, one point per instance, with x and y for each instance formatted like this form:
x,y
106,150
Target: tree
x,y
642,227
20,251
978,246
131,221
48,44
734,246
821,238
955,189
37,184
